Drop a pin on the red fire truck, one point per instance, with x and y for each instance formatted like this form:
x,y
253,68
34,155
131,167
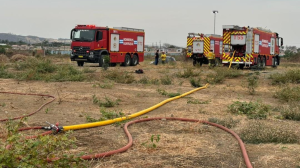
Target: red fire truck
x,y
198,46
246,47
91,43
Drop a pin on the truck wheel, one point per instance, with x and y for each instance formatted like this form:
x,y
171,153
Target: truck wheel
x,y
264,62
127,60
201,62
241,66
259,62
274,62
194,62
134,61
101,61
217,62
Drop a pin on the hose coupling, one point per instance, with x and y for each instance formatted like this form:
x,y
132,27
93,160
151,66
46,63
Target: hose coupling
x,y
55,128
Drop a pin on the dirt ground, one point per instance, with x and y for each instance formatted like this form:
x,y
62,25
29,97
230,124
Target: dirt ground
x,y
181,144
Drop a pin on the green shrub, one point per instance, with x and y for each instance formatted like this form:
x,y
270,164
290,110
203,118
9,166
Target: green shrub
x,y
196,101
258,132
165,93
120,77
189,72
291,76
25,152
39,65
252,84
220,74
106,103
4,73
254,110
195,82
67,73
292,112
105,85
106,115
227,122
288,94
166,80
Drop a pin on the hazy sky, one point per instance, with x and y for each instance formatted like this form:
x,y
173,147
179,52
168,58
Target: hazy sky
x,y
168,21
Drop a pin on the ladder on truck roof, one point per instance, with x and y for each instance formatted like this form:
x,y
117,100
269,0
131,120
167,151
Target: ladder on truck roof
x,y
129,29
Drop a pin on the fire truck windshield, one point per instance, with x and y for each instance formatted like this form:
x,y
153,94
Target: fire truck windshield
x,y
83,35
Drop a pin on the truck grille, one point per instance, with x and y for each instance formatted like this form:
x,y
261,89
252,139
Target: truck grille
x,y
81,50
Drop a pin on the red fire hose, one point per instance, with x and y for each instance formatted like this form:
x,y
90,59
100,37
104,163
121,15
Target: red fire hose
x,y
53,98
105,154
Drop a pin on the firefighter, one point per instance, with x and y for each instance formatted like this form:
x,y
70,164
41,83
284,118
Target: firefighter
x,y
163,57
156,58
211,58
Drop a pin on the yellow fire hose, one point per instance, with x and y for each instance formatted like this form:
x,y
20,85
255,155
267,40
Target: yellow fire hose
x,y
101,123
231,60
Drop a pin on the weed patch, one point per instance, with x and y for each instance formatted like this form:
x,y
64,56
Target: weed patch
x,y
253,110
288,94
195,82
258,132
220,74
4,73
105,85
196,101
252,84
166,80
28,152
165,93
67,73
106,103
291,112
105,115
120,77
152,143
291,76
145,80
227,122
189,72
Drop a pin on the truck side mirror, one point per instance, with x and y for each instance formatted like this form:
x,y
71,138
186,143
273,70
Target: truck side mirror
x,y
281,42
71,33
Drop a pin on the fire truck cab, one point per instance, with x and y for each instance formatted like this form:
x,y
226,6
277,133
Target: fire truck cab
x,y
198,46
91,44
247,47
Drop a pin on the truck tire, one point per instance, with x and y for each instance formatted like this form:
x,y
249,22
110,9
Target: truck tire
x,y
101,60
201,62
217,62
264,62
259,62
127,60
80,63
194,62
274,62
134,60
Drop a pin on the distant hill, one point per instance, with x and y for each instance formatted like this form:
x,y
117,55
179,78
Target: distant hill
x,y
29,39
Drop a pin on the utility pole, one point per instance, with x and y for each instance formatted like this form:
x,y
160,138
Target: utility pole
x,y
159,44
215,12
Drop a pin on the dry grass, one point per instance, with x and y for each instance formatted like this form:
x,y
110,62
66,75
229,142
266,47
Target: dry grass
x,y
4,59
264,132
18,57
181,144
